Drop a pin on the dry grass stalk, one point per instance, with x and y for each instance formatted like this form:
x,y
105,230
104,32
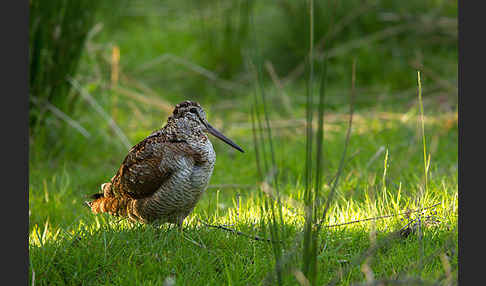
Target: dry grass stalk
x,y
224,84
115,60
63,116
347,47
145,99
445,118
86,96
300,277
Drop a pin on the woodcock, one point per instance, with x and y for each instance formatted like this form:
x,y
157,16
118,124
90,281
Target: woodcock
x,y
163,177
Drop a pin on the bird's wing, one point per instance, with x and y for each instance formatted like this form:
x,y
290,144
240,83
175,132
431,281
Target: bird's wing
x,y
141,173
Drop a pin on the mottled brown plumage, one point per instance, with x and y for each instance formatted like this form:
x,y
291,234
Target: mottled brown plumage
x,y
163,177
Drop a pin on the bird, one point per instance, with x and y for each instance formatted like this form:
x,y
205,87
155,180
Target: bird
x,y
163,177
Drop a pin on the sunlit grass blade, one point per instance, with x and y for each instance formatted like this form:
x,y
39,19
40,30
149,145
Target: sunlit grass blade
x,y
308,255
423,189
346,143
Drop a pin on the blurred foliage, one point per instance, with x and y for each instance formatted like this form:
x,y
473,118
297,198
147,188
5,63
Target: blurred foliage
x,y
57,33
186,49
223,44
382,35
200,49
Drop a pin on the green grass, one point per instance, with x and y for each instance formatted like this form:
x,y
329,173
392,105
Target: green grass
x,y
383,172
68,245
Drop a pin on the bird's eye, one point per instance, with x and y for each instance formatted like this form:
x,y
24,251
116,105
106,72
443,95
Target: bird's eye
x,y
193,110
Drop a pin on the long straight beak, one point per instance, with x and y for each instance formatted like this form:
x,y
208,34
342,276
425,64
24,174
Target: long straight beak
x,y
219,135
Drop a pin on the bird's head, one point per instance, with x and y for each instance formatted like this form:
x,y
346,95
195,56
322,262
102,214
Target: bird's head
x,y
189,121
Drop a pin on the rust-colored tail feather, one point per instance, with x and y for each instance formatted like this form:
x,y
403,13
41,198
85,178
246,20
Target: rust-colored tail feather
x,y
112,205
